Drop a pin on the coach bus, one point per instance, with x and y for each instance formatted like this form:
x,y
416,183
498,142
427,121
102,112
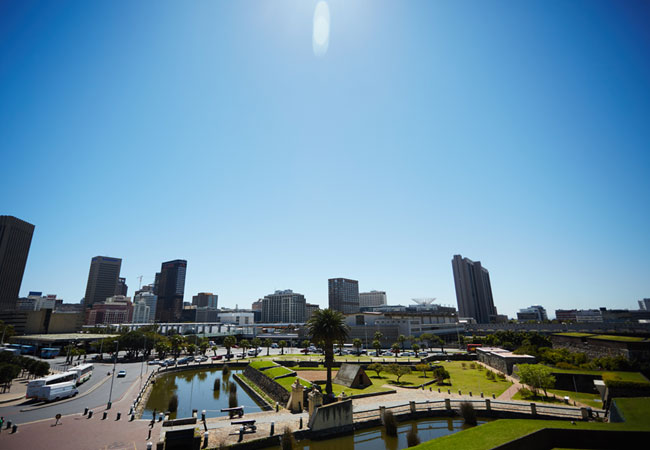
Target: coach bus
x,y
34,387
49,352
58,391
84,372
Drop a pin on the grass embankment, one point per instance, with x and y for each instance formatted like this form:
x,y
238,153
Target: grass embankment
x,y
492,434
605,337
585,398
256,388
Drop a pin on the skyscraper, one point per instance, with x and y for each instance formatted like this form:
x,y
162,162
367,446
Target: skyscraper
x,y
205,299
122,288
15,240
344,295
283,306
102,279
473,290
171,289
372,298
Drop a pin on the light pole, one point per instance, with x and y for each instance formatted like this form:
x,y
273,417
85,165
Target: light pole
x,y
365,330
110,393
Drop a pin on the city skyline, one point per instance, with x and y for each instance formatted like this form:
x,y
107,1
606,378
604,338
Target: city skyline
x,y
270,146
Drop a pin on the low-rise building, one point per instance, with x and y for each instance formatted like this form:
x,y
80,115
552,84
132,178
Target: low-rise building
x,y
116,309
535,312
237,317
501,359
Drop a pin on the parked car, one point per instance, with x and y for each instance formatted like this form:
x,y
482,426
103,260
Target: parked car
x,y
200,359
121,374
217,357
274,345
153,362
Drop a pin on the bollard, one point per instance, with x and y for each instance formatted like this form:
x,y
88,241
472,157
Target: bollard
x,y
108,405
119,415
277,407
448,404
104,415
149,445
488,406
470,393
85,411
429,389
494,396
90,414
300,423
161,416
438,390
272,428
449,391
241,434
203,415
132,418
459,393
8,424
206,435
481,394
130,410
533,409
14,428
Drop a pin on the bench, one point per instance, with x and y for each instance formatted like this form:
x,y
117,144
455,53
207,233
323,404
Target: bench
x,y
246,424
238,410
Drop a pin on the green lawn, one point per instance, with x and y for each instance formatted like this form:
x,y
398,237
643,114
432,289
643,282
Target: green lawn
x,y
492,434
605,337
261,364
625,376
287,382
592,400
576,334
277,371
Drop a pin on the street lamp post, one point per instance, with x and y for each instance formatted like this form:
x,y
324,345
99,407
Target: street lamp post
x,y
110,393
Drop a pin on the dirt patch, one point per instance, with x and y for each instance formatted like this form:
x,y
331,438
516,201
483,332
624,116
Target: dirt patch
x,y
314,375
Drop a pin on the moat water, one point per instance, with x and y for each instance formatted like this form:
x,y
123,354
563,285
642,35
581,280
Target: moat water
x,y
376,438
194,389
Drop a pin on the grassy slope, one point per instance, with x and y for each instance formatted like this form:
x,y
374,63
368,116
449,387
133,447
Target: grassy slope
x,y
491,434
592,400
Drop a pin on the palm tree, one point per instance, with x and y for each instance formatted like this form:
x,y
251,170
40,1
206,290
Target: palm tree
x,y
256,342
415,348
358,343
377,346
267,343
229,342
244,344
401,339
327,326
282,345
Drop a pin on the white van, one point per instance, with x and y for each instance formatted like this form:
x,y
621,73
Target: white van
x,y
58,391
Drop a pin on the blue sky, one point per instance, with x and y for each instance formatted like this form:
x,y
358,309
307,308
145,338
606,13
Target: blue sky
x,y
514,133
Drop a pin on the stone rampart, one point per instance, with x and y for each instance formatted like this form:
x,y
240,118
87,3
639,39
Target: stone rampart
x,y
270,387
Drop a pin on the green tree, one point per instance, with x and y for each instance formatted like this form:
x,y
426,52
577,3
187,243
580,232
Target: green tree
x,y
8,372
282,344
163,346
437,341
357,343
191,348
229,342
6,332
267,343
377,368
377,346
536,376
304,343
204,345
440,374
401,339
422,368
328,326
257,343
426,340
398,370
396,349
378,336
416,349
244,344
176,341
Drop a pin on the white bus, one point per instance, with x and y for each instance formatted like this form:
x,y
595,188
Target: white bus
x,y
34,387
58,391
84,372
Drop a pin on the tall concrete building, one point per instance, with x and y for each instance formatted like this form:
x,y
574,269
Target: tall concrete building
x,y
344,295
150,300
15,240
102,279
473,290
205,299
171,290
284,307
121,288
372,298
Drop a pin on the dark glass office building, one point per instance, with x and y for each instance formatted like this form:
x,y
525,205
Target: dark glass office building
x,y
103,279
15,240
344,295
171,288
473,290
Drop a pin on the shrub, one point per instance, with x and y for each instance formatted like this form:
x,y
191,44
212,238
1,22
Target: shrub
x,y
468,413
288,441
376,367
490,375
173,403
412,438
502,376
463,365
390,423
565,365
525,393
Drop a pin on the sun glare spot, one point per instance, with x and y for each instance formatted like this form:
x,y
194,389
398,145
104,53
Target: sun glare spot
x,y
321,36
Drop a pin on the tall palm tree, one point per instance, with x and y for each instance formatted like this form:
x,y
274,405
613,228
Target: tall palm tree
x,y
327,326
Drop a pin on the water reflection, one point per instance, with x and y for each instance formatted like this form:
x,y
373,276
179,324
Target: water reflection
x,y
195,390
376,438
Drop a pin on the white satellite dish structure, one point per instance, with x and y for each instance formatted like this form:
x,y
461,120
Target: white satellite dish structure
x,y
426,301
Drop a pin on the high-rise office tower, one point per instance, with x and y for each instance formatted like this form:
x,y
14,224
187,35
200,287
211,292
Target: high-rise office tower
x,y
283,306
15,240
102,279
473,290
150,300
344,295
372,298
205,299
122,288
171,288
